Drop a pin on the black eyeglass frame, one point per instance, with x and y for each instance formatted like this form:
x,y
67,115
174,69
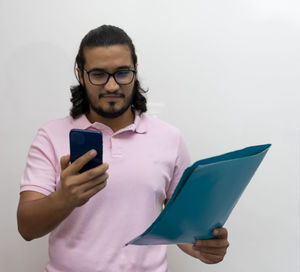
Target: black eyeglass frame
x,y
110,75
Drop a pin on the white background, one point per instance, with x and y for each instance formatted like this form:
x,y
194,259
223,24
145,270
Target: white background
x,y
226,73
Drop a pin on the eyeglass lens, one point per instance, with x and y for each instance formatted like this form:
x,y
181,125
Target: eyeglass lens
x,y
121,77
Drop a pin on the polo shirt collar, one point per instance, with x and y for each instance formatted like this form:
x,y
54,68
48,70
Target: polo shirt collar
x,y
139,125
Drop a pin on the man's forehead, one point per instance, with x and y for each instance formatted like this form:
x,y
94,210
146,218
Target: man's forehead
x,y
107,57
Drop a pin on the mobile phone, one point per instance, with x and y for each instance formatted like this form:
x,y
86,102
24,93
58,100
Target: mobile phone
x,y
82,141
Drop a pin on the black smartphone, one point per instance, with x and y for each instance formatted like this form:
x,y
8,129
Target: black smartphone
x,y
82,141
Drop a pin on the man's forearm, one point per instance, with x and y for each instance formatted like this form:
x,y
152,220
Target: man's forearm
x,y
38,217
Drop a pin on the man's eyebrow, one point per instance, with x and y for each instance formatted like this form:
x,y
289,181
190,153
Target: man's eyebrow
x,y
118,68
123,67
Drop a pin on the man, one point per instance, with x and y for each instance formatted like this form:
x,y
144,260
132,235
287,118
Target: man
x,y
91,215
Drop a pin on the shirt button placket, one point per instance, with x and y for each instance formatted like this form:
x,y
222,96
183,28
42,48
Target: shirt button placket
x,y
115,147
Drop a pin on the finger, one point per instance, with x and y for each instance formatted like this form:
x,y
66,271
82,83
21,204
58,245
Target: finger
x,y
212,259
203,258
80,162
93,183
211,250
212,243
221,233
64,162
90,193
91,174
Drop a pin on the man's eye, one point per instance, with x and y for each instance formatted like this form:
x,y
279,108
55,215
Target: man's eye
x,y
123,73
98,75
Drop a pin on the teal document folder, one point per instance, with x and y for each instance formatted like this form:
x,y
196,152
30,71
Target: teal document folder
x,y
204,198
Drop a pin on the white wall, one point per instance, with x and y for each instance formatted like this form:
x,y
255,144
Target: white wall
x,y
227,73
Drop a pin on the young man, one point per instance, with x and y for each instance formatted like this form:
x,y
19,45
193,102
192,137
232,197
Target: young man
x,y
91,215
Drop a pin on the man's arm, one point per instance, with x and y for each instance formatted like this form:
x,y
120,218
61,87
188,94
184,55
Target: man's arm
x,y
39,214
208,251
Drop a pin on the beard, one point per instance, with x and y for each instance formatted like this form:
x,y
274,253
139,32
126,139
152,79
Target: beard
x,y
112,112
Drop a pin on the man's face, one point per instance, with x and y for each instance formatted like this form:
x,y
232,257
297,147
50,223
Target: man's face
x,y
110,100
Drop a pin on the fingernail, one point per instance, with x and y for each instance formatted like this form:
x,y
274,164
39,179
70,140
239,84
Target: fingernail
x,y
93,152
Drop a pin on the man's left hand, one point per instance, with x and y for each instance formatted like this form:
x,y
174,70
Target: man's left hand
x,y
213,250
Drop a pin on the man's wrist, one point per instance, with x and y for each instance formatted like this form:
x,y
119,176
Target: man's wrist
x,y
61,202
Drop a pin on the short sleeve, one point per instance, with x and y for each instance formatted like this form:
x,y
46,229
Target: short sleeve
x,y
182,162
40,174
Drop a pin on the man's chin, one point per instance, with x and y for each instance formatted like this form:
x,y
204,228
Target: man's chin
x,y
111,113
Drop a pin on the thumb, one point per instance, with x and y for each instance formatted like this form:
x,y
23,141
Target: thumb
x,y
64,161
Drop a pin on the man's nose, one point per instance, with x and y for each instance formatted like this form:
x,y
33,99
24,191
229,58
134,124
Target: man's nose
x,y
111,84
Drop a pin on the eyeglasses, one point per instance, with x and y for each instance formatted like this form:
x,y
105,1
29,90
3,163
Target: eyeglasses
x,y
99,78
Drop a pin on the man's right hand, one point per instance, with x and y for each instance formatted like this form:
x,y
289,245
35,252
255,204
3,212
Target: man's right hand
x,y
39,214
77,188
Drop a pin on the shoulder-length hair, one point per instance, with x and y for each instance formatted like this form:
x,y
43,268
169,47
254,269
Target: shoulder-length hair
x,y
105,35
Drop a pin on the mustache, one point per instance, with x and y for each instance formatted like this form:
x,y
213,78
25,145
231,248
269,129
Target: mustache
x,y
112,93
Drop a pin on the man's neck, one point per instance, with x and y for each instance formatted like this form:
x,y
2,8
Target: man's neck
x,y
115,124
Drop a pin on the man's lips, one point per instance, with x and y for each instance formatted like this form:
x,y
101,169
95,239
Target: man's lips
x,y
111,96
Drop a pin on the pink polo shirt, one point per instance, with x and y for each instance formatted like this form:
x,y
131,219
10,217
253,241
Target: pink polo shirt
x,y
146,161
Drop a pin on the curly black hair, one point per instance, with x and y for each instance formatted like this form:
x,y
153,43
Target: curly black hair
x,y
105,35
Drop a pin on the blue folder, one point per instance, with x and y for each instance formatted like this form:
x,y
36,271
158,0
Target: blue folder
x,y
204,198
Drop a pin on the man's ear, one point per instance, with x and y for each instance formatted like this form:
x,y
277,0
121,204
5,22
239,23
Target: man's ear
x,y
79,73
